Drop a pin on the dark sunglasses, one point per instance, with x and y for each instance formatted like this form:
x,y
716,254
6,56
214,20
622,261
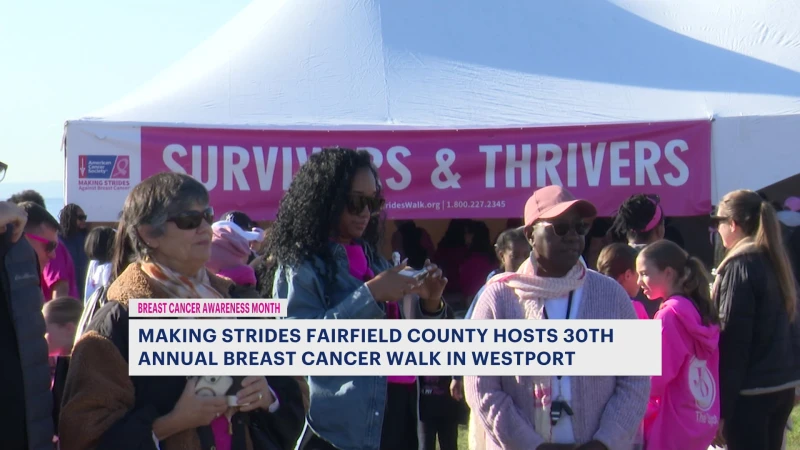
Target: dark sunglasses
x,y
561,229
717,220
49,246
191,220
82,217
654,198
356,203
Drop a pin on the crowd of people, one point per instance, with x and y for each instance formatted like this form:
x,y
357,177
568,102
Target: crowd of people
x,y
730,344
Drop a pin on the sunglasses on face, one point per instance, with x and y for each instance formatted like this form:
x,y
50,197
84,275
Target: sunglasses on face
x,y
82,217
49,246
561,229
716,221
356,204
191,220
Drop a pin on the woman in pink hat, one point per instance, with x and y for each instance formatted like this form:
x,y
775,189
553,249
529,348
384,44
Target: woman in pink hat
x,y
230,251
584,413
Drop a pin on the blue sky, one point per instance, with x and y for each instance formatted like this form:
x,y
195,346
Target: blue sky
x,y
62,60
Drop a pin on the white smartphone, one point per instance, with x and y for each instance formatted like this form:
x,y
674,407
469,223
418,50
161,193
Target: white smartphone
x,y
418,275
218,386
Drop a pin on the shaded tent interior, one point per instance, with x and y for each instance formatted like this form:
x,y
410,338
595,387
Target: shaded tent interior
x,y
693,231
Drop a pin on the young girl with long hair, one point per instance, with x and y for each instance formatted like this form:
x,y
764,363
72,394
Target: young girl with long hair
x,y
98,247
756,296
618,261
683,412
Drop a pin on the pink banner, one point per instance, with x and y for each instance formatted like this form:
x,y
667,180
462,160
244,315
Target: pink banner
x,y
453,173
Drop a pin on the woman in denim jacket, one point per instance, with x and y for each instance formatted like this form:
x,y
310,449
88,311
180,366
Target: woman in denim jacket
x,y
324,240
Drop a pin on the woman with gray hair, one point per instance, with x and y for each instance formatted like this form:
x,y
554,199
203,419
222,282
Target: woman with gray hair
x,y
162,246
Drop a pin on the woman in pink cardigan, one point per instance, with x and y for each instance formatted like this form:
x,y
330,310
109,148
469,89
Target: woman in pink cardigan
x,y
600,413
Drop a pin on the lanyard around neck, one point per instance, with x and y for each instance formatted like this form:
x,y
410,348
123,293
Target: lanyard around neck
x,y
569,310
569,306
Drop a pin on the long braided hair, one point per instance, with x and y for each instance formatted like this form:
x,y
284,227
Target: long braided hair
x,y
68,218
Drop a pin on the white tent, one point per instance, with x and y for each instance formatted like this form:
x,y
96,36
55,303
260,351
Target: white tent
x,y
456,64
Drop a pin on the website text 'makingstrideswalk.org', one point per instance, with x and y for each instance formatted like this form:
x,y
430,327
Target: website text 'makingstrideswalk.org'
x,y
447,204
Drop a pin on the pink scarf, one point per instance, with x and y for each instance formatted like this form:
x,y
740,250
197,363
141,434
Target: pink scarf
x,y
359,268
199,286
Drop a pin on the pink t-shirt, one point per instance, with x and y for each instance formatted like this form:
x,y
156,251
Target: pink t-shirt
x,y
61,268
639,308
359,268
222,438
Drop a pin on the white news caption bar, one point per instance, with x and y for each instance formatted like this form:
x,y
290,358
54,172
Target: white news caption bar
x,y
215,308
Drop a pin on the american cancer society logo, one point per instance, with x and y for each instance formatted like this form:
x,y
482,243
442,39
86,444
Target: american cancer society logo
x,y
104,172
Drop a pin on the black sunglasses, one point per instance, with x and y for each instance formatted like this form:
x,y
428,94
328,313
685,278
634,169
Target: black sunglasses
x,y
356,203
561,229
191,220
82,217
717,220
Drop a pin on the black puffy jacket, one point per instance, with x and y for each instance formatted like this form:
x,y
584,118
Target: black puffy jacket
x,y
759,344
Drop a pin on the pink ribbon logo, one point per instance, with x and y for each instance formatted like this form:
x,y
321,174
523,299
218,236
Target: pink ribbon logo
x,y
121,167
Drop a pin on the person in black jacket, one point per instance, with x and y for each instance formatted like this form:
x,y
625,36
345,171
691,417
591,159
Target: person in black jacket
x,y
26,421
756,294
161,250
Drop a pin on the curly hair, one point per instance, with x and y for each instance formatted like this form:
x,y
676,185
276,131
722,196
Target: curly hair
x,y
633,216
310,210
68,217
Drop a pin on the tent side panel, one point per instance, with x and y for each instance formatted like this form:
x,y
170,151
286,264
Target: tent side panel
x,y
103,164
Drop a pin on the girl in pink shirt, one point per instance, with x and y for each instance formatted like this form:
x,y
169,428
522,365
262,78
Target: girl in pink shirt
x,y
618,261
683,413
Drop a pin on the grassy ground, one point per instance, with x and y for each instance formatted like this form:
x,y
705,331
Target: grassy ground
x,y
794,436
792,444
462,438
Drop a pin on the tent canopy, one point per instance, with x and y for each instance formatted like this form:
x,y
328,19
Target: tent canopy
x,y
367,64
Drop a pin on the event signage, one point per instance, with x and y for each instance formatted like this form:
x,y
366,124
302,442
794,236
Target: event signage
x,y
425,174
452,173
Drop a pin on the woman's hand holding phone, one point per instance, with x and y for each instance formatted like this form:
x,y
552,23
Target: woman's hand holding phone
x,y
391,285
191,411
432,287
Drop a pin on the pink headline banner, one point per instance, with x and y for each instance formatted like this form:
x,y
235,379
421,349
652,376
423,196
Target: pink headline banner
x,y
486,173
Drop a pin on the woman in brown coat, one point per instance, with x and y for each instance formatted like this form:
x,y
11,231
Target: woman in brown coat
x,y
162,246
